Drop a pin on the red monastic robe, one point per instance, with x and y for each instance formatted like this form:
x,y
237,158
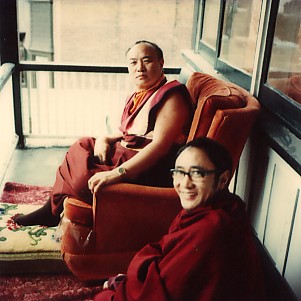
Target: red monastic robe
x,y
80,164
209,254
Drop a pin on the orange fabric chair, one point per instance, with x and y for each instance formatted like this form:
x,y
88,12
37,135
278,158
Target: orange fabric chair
x,y
100,240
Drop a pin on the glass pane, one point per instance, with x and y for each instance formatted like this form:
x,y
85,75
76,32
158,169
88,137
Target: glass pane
x,y
210,23
285,65
100,31
240,32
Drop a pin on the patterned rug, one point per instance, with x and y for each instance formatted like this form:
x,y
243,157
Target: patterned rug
x,y
46,287
30,265
26,249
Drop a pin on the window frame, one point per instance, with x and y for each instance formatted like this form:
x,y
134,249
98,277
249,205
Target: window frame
x,y
279,105
285,109
237,76
203,48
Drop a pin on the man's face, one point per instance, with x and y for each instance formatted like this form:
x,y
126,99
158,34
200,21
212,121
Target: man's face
x,y
145,68
192,193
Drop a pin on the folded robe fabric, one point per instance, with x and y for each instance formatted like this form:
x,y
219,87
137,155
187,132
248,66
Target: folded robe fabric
x,y
208,254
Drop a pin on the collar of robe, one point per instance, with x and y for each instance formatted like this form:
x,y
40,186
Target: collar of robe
x,y
140,95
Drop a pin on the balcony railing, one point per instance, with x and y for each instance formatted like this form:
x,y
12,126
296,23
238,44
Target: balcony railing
x,y
63,102
7,128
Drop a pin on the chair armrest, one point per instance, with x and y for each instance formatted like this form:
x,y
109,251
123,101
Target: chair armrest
x,y
128,216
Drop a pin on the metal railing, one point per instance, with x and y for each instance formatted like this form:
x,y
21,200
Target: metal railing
x,y
7,129
60,103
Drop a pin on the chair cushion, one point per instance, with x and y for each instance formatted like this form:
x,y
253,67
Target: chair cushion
x,y
78,212
210,95
27,249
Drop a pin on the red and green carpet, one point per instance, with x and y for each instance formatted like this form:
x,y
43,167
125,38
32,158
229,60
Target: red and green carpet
x,y
31,267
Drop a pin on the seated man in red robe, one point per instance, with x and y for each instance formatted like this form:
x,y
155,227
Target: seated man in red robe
x,y
209,252
154,125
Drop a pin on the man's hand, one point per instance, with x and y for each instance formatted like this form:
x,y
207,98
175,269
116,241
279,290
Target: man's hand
x,y
102,149
105,285
103,178
113,282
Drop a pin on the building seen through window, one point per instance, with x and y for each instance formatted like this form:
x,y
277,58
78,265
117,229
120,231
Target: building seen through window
x,y
100,31
239,36
285,65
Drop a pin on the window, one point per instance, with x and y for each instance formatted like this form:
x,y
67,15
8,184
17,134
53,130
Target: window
x,y
36,30
285,64
229,36
280,91
239,36
210,23
230,40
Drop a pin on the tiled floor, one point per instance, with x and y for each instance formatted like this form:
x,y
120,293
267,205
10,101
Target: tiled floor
x,y
34,166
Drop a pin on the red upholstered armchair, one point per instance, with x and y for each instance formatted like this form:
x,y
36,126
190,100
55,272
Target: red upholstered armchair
x,y
100,240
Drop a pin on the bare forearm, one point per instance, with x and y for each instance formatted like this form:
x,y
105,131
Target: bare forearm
x,y
145,159
133,167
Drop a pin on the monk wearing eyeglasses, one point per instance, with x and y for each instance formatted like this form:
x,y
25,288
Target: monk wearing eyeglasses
x,y
209,253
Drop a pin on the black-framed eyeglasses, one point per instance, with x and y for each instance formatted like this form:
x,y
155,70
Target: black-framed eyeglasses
x,y
194,174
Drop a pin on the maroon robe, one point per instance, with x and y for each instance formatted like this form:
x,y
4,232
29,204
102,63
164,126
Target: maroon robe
x,y
209,254
80,164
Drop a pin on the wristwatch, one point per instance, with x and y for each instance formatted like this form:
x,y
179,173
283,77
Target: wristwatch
x,y
121,171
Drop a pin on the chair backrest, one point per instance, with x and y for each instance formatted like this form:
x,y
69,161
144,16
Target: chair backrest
x,y
224,112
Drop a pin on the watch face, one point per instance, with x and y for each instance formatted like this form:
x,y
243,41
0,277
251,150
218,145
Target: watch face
x,y
122,171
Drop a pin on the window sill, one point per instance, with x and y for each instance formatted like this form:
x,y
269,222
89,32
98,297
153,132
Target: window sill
x,y
281,139
200,64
